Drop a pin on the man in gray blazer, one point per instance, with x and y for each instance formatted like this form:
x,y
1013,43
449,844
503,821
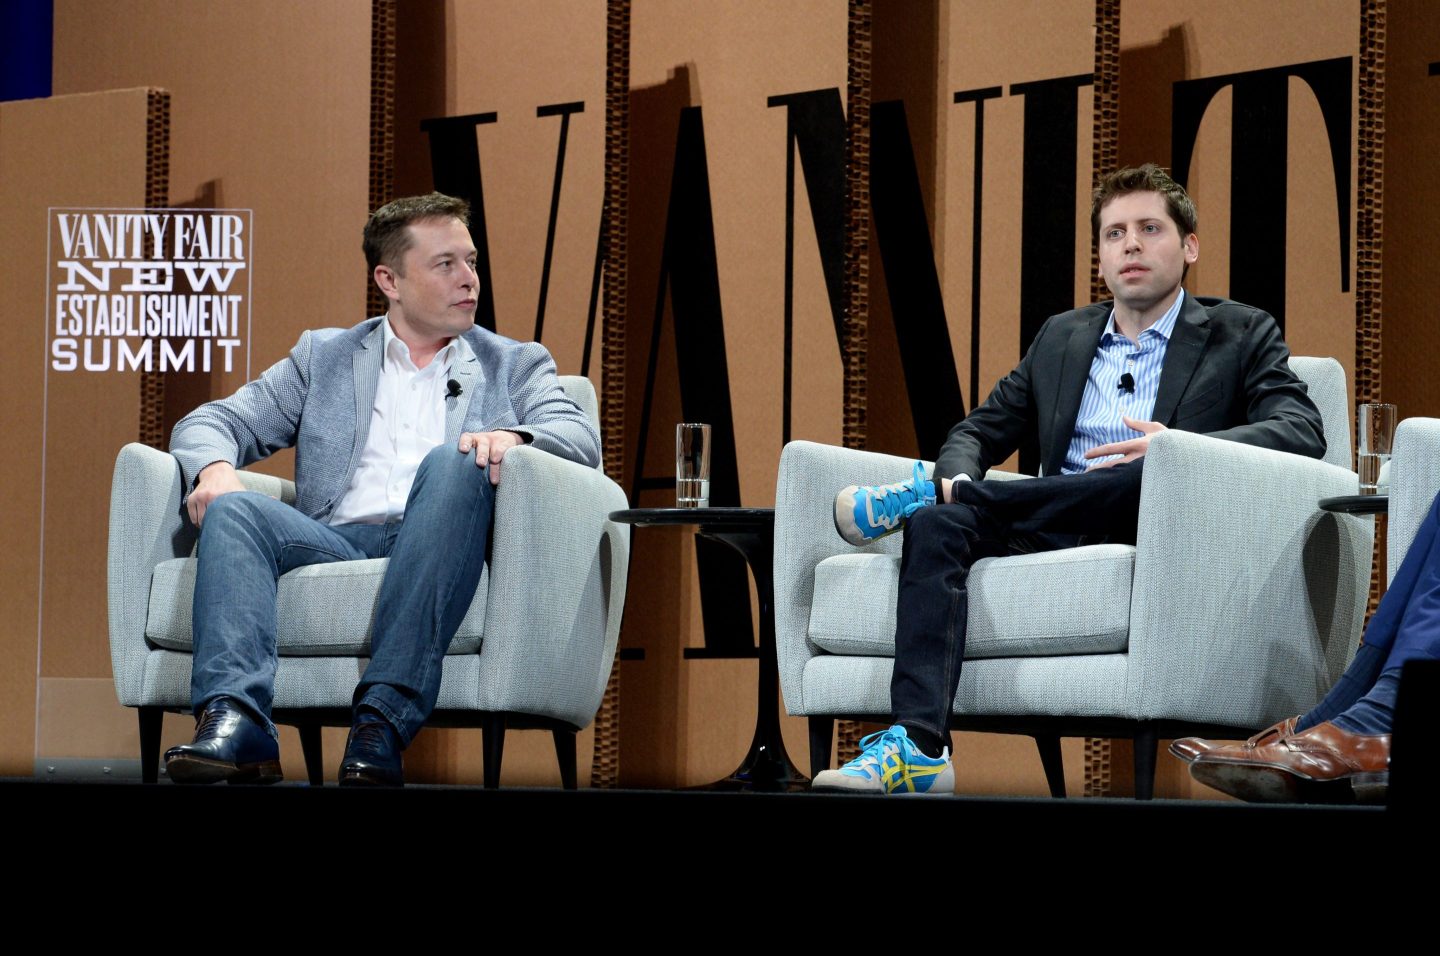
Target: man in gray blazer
x,y
1096,384
400,427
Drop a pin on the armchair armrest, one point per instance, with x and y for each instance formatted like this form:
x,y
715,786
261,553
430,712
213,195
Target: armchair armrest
x,y
810,475
147,526
557,586
1414,479
1248,601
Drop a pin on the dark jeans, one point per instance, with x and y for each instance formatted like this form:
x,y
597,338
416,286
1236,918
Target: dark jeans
x,y
436,556
988,519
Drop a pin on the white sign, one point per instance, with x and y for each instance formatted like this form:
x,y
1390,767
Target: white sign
x,y
150,290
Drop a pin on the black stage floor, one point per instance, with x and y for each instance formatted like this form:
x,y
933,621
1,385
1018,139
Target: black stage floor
x,y
706,820
713,858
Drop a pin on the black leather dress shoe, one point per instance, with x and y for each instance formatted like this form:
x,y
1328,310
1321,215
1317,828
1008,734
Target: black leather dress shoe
x,y
229,745
372,756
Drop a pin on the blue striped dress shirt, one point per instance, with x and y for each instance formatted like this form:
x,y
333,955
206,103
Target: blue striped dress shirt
x,y
1104,401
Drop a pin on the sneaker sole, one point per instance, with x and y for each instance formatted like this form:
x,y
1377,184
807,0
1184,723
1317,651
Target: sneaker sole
x,y
846,514
881,793
869,790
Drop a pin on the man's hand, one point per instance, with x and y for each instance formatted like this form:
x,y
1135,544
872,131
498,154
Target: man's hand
x,y
1131,448
216,479
489,448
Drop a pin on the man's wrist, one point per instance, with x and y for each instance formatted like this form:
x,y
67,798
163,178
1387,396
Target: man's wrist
x,y
201,473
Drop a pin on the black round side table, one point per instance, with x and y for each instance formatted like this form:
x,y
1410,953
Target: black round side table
x,y
751,531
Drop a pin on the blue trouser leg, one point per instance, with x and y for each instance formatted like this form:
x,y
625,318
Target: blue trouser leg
x,y
987,519
434,569
1418,634
247,541
1406,625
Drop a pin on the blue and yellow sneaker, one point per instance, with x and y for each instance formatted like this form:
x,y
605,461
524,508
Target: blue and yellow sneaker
x,y
889,762
865,514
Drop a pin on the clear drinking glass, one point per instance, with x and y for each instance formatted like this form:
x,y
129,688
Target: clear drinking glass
x,y
692,465
1375,437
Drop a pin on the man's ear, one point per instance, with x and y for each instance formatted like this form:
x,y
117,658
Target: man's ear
x,y
1192,248
385,279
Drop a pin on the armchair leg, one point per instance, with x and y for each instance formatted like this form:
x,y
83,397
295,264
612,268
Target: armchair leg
x,y
313,748
150,720
1049,747
1147,742
822,735
492,741
565,753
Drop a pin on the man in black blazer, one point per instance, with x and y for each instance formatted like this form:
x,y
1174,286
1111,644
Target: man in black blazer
x,y
1095,386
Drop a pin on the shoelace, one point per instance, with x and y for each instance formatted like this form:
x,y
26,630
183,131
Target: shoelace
x,y
368,739
897,503
874,749
209,725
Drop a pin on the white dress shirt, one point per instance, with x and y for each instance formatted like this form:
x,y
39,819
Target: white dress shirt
x,y
408,420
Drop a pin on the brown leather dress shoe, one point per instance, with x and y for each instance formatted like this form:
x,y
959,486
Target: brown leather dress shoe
x,y
1325,764
1190,749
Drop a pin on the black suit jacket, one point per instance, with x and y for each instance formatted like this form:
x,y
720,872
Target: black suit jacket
x,y
1226,374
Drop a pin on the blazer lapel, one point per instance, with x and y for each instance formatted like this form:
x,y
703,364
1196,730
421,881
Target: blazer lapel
x,y
1074,371
1182,358
366,364
465,370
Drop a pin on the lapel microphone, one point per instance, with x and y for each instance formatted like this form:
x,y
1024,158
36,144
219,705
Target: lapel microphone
x,y
453,389
1127,383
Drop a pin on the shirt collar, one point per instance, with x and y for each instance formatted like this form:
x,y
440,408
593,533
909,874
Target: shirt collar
x,y
456,348
1165,327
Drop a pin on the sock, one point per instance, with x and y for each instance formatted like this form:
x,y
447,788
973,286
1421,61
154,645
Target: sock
x,y
931,745
1374,713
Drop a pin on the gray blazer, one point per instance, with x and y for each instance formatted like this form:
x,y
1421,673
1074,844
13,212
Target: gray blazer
x,y
1226,374
320,400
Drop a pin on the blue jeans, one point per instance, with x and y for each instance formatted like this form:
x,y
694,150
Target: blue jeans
x,y
248,540
987,519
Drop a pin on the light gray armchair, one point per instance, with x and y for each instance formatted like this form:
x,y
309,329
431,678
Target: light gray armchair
x,y
1414,481
1239,604
534,650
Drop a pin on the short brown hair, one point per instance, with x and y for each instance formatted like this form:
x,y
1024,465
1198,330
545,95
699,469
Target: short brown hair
x,y
1148,178
387,239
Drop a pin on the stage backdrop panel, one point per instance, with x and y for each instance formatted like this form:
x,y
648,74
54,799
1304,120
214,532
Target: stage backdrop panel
x,y
716,91
63,430
270,112
1254,107
1410,333
1011,216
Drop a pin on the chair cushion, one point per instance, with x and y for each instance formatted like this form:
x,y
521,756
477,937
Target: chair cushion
x,y
1074,601
323,609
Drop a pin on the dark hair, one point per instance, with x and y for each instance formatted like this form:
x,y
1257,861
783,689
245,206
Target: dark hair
x,y
1144,179
387,239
